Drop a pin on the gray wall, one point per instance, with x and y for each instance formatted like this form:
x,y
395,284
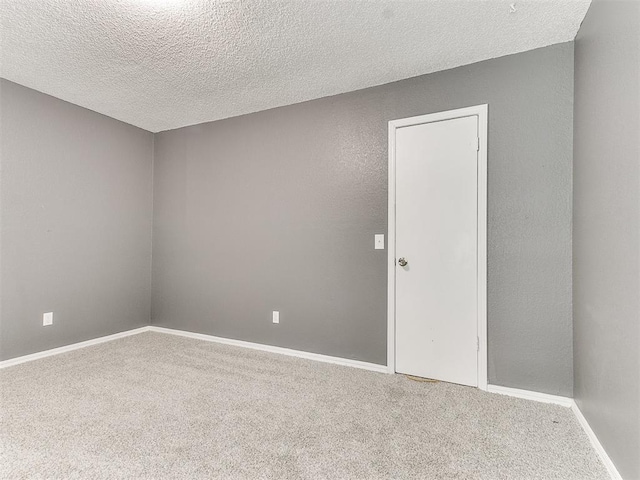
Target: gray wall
x,y
277,210
75,209
606,233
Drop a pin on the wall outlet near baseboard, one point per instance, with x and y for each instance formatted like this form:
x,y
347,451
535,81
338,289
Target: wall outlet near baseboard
x,y
276,317
47,319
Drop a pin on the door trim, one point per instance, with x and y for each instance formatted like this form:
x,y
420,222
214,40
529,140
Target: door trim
x,y
481,111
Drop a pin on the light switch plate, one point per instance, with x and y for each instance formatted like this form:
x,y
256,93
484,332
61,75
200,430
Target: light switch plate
x,y
379,241
276,317
47,319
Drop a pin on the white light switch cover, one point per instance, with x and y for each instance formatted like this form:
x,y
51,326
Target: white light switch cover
x,y
276,317
47,319
379,241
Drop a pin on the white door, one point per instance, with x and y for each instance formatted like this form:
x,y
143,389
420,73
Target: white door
x,y
436,322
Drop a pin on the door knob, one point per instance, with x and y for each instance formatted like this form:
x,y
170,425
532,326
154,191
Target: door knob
x,y
402,262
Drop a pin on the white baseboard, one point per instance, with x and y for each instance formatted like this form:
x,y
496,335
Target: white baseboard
x,y
597,446
68,348
529,395
272,349
564,402
513,392
200,336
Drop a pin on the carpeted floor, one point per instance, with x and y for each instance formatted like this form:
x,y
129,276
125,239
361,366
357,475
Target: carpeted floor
x,y
159,406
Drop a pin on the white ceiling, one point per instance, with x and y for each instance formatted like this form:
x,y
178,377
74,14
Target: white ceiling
x,y
163,64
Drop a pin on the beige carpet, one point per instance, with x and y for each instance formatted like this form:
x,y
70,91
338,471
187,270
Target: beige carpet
x,y
160,406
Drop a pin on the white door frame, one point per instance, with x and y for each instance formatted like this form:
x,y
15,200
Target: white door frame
x,y
481,111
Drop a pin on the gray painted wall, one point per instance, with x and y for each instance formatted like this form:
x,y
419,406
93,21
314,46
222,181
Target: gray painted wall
x,y
75,208
277,210
606,233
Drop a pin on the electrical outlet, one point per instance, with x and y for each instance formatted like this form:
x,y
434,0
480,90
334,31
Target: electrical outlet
x,y
276,317
47,319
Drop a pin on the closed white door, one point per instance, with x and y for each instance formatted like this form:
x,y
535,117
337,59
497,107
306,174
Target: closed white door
x,y
436,329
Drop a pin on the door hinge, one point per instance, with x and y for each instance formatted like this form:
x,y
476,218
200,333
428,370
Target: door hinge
x,y
478,144
478,343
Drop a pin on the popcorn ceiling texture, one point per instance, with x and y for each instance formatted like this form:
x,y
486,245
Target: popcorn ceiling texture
x,y
164,64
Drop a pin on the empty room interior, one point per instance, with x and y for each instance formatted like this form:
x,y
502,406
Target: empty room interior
x,y
314,239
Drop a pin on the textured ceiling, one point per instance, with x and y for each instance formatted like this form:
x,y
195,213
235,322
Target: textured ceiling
x,y
163,64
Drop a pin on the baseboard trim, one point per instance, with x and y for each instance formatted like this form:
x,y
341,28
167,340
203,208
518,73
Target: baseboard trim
x,y
597,446
512,392
530,395
272,349
564,402
68,348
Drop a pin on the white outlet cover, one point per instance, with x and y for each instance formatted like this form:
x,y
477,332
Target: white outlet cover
x,y
379,241
276,317
47,319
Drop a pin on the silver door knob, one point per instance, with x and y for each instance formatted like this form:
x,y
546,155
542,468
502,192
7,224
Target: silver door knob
x,y
402,262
